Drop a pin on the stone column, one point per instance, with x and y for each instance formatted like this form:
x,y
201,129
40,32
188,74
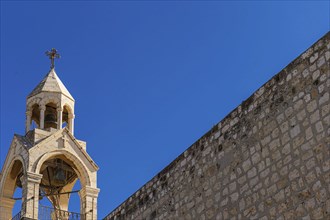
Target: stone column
x,y
59,117
42,117
28,121
71,122
88,202
30,195
6,207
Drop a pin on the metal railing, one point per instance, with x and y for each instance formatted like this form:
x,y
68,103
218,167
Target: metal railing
x,y
49,213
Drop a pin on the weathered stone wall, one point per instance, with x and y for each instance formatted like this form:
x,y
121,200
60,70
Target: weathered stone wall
x,y
268,159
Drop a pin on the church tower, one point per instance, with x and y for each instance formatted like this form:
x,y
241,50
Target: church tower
x,y
47,161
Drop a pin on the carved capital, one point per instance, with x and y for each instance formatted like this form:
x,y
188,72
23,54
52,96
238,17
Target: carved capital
x,y
88,191
33,177
42,108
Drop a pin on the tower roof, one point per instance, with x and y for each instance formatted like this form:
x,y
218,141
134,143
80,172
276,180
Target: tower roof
x,y
51,83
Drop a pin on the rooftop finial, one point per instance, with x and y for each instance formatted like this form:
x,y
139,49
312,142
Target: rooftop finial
x,y
52,54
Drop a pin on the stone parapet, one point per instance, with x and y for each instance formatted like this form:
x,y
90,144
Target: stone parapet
x,y
267,159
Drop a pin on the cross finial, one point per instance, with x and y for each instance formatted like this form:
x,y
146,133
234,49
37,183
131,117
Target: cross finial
x,y
52,54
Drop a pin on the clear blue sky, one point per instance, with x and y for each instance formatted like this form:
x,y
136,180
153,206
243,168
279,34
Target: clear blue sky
x,y
149,77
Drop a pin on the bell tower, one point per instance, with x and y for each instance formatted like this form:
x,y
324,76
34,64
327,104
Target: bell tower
x,y
47,160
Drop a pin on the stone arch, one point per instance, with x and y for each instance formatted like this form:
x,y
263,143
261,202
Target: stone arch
x,y
32,114
14,170
31,102
8,186
68,107
51,99
35,114
67,115
51,102
79,167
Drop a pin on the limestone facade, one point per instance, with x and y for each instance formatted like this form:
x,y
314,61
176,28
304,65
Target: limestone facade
x,y
268,159
50,107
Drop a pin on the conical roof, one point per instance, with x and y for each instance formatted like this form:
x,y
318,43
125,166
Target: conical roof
x,y
51,83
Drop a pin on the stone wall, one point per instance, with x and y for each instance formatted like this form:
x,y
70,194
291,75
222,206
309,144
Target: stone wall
x,y
268,159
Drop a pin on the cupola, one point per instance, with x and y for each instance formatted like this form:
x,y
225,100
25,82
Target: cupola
x,y
50,105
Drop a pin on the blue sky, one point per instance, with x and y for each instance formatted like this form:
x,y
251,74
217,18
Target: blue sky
x,y
149,77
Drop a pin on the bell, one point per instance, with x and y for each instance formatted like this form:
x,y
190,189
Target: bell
x,y
59,176
50,121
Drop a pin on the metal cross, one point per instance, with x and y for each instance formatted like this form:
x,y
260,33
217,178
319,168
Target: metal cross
x,y
52,54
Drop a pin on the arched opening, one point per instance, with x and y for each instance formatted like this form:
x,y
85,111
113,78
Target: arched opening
x,y
88,192
65,116
57,187
50,116
11,191
35,118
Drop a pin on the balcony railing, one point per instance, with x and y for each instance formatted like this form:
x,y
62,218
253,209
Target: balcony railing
x,y
48,213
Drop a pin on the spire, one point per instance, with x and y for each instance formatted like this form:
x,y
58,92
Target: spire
x,y
51,83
